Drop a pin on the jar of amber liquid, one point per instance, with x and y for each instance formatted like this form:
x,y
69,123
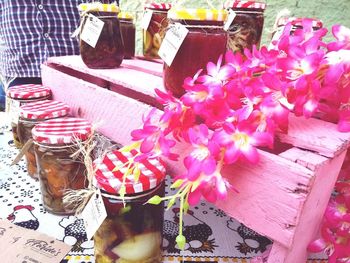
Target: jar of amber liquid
x,y
205,42
108,51
20,95
246,29
130,233
31,114
128,30
154,34
60,166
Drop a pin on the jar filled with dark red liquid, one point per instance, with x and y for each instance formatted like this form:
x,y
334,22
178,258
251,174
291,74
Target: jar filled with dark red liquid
x,y
132,231
101,43
246,29
128,30
154,34
206,41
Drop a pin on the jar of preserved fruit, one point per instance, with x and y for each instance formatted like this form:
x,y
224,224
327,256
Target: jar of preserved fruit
x,y
246,29
55,142
205,42
128,30
101,43
31,114
130,233
19,95
154,34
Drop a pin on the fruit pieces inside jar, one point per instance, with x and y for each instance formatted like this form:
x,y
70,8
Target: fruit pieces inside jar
x,y
153,36
25,133
245,31
16,140
109,49
58,172
130,234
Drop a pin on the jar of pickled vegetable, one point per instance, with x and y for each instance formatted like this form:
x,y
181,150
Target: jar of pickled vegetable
x,y
60,165
246,29
20,95
128,30
31,114
101,43
130,233
206,41
154,34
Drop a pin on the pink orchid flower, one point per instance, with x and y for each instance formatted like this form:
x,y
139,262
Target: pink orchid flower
x,y
342,34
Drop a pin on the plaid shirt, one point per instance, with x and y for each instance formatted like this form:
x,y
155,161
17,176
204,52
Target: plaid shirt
x,y
33,30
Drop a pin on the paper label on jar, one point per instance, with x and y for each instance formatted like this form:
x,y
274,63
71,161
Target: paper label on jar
x,y
172,43
14,110
93,214
92,30
146,19
230,18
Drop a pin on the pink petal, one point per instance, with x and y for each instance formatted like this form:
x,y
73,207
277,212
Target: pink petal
x,y
251,154
317,246
194,197
231,154
147,146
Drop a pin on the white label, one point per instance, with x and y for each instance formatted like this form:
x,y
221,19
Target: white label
x,y
93,214
92,30
147,16
276,36
14,110
230,18
172,42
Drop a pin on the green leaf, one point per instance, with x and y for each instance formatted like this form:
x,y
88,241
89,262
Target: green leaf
x,y
177,183
155,200
181,241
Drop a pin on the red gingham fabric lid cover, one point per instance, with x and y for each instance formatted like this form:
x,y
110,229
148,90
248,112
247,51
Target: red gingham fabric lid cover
x,y
152,173
28,91
44,109
62,131
244,4
160,6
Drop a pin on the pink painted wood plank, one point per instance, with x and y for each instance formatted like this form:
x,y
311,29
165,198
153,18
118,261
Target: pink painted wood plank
x,y
127,78
312,212
315,135
143,65
115,115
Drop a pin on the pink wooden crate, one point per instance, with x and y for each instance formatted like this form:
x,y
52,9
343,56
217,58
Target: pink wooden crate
x,y
283,197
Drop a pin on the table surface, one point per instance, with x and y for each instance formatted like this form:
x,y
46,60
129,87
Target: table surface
x,y
222,238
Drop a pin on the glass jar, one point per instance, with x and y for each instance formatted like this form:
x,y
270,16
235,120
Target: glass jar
x,y
109,49
246,29
20,95
153,36
31,114
58,170
130,233
128,31
205,42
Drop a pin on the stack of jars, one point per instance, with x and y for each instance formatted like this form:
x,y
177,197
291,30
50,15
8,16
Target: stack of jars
x,y
132,231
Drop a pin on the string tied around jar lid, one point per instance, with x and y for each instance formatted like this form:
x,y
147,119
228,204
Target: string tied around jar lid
x,y
86,8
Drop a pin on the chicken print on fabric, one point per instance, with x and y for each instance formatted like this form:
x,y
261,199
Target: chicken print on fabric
x,y
23,216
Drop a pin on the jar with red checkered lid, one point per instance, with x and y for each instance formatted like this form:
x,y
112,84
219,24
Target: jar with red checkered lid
x,y
246,27
31,114
19,95
58,145
155,23
132,231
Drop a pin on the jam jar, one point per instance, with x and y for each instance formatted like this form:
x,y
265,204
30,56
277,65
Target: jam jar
x,y
128,30
19,95
60,164
108,51
132,231
31,114
246,29
154,34
206,41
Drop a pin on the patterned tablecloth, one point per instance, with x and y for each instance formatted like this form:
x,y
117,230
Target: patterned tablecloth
x,y
212,235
